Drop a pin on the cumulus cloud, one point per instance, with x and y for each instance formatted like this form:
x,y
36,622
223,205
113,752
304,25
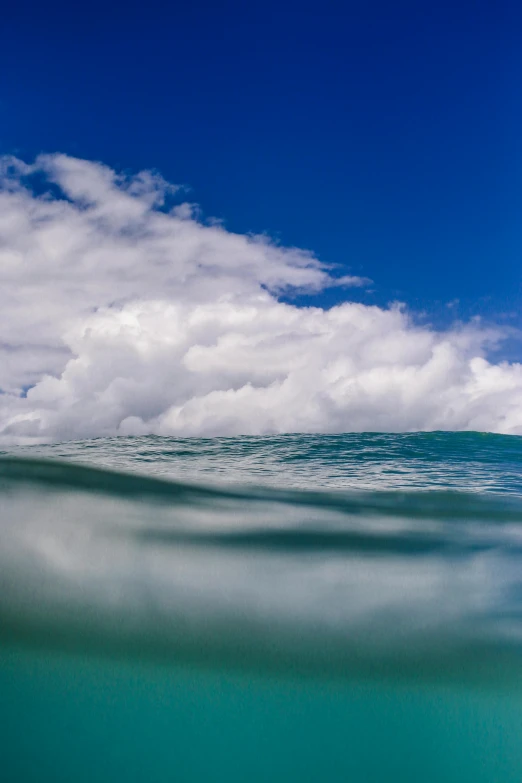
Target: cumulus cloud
x,y
122,315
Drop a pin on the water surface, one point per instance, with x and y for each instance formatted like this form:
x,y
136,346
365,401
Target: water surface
x,y
275,608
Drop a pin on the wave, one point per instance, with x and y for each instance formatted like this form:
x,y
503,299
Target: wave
x,y
330,581
462,461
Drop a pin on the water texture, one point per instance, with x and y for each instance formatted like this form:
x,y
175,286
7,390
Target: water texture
x,y
295,607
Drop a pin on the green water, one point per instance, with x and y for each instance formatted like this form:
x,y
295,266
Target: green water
x,y
72,719
308,608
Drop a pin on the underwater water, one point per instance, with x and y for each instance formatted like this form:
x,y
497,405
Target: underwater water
x,y
280,608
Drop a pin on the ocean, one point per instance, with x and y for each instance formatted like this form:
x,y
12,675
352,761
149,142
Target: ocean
x,y
280,608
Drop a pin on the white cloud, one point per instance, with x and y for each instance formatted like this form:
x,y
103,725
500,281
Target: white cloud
x,y
125,317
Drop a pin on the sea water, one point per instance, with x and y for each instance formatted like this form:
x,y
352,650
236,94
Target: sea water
x,y
281,608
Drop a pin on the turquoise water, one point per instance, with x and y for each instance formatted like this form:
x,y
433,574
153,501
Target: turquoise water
x,y
284,608
75,719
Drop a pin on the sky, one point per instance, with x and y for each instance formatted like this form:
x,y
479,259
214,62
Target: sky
x,y
343,157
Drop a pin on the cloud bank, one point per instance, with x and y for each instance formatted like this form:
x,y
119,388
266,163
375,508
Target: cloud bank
x,y
121,315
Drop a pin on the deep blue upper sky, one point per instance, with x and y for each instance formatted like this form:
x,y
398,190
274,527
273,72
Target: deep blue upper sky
x,y
383,136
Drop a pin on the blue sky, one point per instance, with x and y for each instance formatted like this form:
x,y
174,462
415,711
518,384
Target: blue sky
x,y
383,136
